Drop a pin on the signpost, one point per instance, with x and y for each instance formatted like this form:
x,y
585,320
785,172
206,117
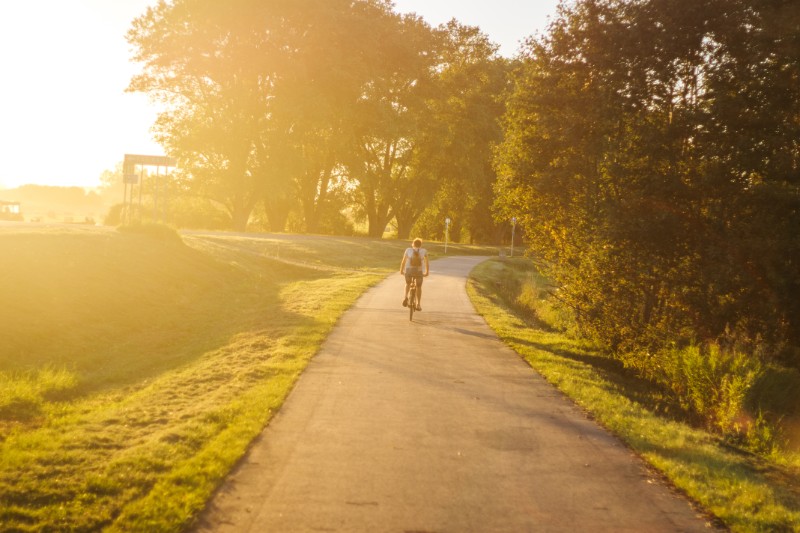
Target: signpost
x,y
446,233
513,228
130,177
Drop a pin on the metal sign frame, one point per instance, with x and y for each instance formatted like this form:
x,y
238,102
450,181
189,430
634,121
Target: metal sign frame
x,y
130,177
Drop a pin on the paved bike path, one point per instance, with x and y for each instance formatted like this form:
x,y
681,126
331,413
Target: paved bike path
x,y
435,426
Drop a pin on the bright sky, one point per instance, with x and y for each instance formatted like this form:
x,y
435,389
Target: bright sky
x,y
64,115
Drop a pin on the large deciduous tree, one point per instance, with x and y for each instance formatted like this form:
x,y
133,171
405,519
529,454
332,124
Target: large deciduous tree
x,y
387,121
462,128
259,95
316,106
213,67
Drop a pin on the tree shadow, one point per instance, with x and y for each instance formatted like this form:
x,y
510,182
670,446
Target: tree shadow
x,y
624,381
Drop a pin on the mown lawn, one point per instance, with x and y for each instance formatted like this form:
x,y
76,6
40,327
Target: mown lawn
x,y
136,368
746,492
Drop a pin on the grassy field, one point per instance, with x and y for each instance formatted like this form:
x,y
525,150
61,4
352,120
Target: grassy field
x,y
136,367
746,492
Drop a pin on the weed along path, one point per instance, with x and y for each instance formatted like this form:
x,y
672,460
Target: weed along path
x,y
435,425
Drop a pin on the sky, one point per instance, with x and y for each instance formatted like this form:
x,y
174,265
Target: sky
x,y
64,65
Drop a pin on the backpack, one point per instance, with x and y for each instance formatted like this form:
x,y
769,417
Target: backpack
x,y
416,259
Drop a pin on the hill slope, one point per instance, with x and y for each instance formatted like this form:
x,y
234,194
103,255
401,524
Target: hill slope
x,y
136,369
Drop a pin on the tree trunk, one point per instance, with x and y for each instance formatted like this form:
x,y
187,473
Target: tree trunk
x,y
277,210
377,218
239,218
404,226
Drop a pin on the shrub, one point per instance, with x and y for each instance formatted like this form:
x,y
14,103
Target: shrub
x,y
713,383
534,297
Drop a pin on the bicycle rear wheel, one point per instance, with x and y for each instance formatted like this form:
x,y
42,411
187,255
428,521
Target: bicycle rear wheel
x,y
412,301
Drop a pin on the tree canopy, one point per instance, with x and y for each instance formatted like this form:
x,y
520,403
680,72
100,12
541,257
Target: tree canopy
x,y
317,107
651,155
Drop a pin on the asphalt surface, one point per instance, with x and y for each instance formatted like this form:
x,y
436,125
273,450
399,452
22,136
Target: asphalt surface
x,y
435,426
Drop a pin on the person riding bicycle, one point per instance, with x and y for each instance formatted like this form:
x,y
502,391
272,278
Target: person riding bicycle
x,y
411,266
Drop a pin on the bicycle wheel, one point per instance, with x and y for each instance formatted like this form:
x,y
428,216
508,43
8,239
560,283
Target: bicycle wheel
x,y
412,300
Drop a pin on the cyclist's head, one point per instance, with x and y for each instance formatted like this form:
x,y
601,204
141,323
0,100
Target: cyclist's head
x,y
417,243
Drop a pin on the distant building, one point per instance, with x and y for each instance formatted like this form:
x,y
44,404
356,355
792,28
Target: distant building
x,y
10,211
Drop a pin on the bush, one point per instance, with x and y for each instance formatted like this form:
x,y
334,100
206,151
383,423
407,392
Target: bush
x,y
114,216
776,398
721,385
778,391
714,383
197,213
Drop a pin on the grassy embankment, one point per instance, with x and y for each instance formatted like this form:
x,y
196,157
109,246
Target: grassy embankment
x,y
136,369
747,492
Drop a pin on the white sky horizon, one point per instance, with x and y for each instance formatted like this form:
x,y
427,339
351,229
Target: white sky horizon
x,y
64,114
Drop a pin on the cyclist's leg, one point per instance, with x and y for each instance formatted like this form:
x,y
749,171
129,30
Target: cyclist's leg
x,y
419,293
408,285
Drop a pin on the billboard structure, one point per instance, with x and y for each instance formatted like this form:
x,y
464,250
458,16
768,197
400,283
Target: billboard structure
x,y
132,179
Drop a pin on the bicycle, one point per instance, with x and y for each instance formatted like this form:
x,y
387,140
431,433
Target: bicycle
x,y
412,298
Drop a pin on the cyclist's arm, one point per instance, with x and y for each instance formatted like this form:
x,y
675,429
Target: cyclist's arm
x,y
427,265
403,264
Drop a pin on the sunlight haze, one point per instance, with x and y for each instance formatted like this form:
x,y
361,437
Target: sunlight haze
x,y
64,113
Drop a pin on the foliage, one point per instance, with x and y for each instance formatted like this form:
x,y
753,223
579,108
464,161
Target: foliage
x,y
388,122
522,288
193,212
323,105
714,382
199,60
462,126
651,158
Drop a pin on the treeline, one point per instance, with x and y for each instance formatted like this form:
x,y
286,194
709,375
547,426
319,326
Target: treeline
x,y
652,156
319,112
649,151
42,201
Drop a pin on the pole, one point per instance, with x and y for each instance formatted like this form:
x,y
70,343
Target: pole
x,y
166,193
123,210
130,206
141,186
446,233
156,185
513,228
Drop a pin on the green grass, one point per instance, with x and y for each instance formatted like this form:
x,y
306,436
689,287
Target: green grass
x,y
346,253
746,492
135,371
136,368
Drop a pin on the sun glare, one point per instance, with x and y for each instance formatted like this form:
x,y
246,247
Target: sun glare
x,y
64,115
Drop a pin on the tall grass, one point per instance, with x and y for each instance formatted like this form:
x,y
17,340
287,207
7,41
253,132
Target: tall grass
x,y
23,394
714,383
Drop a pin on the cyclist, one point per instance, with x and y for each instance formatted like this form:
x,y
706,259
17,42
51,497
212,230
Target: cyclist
x,y
411,266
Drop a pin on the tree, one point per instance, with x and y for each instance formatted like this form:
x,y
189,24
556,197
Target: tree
x,y
644,143
214,67
462,127
387,121
315,97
